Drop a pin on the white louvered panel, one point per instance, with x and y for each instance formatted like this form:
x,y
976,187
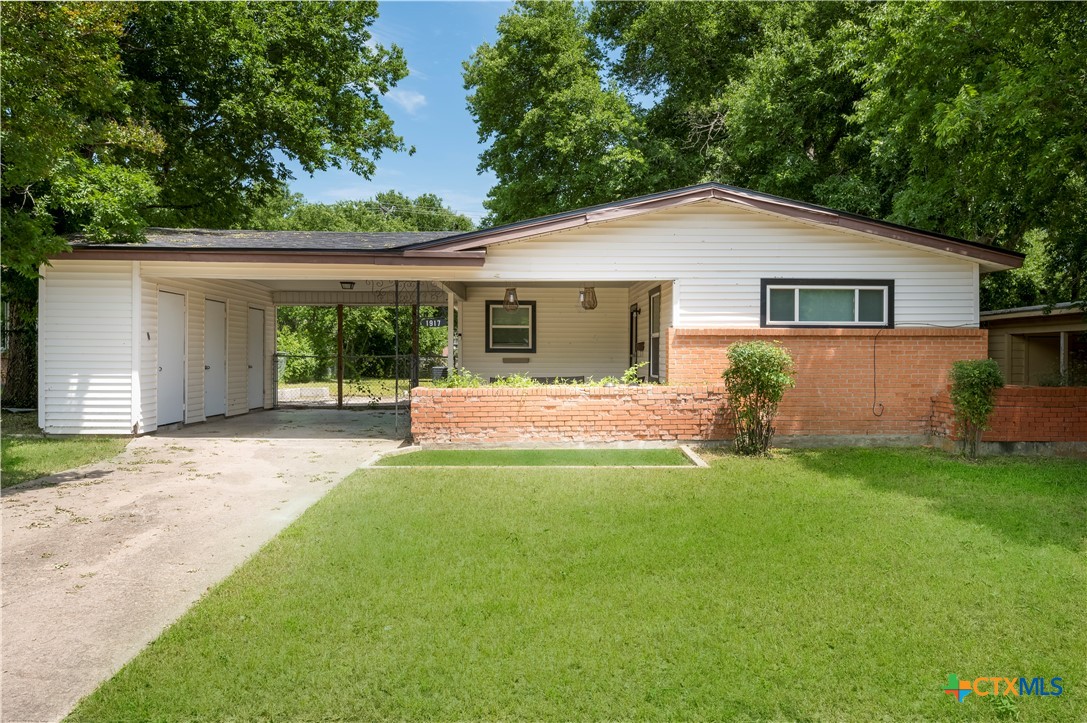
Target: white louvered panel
x,y
85,348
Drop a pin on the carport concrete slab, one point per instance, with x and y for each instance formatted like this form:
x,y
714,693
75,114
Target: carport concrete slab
x,y
97,562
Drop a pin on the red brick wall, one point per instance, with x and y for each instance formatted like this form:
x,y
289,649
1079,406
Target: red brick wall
x,y
1024,414
499,415
834,383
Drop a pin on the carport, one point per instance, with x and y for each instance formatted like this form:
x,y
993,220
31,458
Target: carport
x,y
182,329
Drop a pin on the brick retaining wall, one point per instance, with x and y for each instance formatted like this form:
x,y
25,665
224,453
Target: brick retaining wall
x,y
834,391
502,415
1024,414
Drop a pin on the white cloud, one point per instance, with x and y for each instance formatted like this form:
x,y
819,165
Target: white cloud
x,y
409,100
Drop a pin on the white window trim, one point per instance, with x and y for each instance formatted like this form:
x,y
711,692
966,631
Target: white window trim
x,y
887,290
655,335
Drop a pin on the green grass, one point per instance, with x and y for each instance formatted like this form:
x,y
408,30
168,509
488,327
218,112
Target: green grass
x,y
819,585
25,454
537,457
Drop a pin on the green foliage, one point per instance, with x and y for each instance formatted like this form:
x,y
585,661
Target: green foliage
x,y
963,118
973,392
387,211
459,378
515,380
758,374
559,137
632,374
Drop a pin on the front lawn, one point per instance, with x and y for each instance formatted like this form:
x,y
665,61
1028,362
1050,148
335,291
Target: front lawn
x,y
820,585
25,454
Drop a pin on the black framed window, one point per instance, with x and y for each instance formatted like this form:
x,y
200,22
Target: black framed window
x,y
511,330
863,303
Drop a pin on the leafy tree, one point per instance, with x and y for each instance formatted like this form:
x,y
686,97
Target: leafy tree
x,y
559,138
308,334
387,211
965,118
120,114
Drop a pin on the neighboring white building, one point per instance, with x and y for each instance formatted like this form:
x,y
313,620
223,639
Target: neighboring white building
x,y
182,328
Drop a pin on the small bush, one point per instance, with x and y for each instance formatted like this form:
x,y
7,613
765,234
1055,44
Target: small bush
x,y
515,380
973,392
758,374
459,378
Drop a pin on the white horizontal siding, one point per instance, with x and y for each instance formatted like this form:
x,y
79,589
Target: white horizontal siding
x,y
716,252
720,254
85,347
570,341
239,296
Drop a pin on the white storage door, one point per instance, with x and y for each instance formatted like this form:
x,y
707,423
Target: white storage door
x,y
256,358
171,361
214,358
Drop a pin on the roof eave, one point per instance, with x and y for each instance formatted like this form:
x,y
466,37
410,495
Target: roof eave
x,y
280,256
990,258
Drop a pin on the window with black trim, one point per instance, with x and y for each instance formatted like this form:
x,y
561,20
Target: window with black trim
x,y
511,330
861,303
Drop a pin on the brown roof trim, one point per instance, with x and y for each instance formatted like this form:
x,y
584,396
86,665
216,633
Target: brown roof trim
x,y
410,258
751,199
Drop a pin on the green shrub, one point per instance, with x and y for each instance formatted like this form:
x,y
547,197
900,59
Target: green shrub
x,y
758,374
973,392
630,376
459,378
515,380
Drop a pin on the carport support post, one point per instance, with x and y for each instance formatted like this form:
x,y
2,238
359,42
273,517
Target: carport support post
x,y
415,338
339,356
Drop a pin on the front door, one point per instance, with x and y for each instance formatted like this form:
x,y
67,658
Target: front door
x,y
256,358
214,358
171,383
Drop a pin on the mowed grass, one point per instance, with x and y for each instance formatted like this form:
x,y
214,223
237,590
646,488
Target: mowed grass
x,y
25,454
537,458
820,585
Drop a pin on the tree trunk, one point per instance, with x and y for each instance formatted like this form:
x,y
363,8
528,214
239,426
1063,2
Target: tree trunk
x,y
21,377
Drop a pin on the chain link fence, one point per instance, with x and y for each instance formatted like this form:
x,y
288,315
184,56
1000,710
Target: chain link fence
x,y
303,380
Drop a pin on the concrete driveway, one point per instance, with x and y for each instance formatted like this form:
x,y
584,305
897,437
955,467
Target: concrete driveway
x,y
97,562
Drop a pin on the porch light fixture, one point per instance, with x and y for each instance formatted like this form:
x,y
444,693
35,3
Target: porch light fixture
x,y
347,285
509,301
587,298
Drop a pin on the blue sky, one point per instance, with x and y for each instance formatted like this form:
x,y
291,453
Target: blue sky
x,y
427,108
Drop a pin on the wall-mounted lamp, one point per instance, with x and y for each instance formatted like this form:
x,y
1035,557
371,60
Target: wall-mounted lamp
x,y
347,285
587,298
509,301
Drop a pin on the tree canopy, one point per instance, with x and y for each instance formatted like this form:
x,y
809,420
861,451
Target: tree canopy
x,y
119,115
963,118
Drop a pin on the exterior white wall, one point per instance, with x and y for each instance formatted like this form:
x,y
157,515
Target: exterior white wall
x,y
716,253
239,297
85,330
570,341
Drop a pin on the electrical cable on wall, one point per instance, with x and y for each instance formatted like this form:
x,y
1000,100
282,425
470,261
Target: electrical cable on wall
x,y
876,404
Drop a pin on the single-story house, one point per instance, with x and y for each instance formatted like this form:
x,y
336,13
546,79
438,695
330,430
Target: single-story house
x,y
1038,344
182,328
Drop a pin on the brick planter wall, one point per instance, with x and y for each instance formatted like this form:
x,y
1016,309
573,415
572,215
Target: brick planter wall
x,y
1023,414
560,414
834,390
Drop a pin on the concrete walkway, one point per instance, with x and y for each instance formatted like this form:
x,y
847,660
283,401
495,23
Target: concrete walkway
x,y
97,562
